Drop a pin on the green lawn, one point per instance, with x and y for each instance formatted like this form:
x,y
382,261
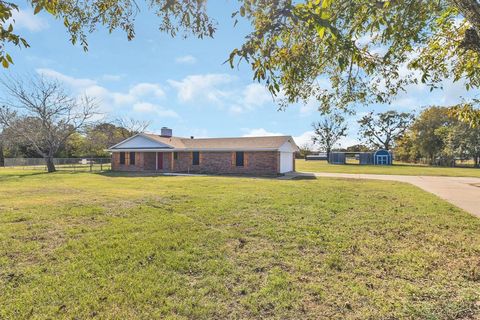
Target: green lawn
x,y
402,169
80,245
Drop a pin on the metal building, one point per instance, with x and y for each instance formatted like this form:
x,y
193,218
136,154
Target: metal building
x,y
379,157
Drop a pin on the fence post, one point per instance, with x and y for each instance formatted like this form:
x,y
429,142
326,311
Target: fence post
x,y
91,165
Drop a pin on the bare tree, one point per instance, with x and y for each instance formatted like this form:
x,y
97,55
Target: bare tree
x,y
41,112
2,146
383,129
305,150
130,126
328,131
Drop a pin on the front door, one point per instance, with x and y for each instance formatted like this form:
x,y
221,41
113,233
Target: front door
x,y
159,160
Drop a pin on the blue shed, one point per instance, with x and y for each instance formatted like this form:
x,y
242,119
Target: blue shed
x,y
337,158
382,157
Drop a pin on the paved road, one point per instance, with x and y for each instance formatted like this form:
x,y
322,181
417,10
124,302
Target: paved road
x,y
463,192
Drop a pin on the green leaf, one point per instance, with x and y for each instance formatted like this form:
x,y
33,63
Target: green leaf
x,y
321,32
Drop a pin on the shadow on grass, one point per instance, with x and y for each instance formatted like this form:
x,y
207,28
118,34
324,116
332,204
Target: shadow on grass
x,y
7,173
124,174
20,174
305,177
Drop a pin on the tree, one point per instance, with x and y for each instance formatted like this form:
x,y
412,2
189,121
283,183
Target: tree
x,y
406,149
362,51
367,50
86,16
2,154
439,137
471,140
130,126
305,150
43,114
467,113
425,131
358,148
100,136
383,129
328,131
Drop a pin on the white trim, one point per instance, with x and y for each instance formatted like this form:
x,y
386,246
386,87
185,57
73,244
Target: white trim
x,y
137,135
128,139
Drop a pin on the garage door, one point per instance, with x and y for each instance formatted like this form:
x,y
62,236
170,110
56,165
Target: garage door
x,y
286,162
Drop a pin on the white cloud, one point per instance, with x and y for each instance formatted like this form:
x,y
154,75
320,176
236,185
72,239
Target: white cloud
x,y
208,87
188,59
304,139
259,132
145,88
146,107
222,91
138,96
112,77
308,108
256,94
252,96
80,83
25,19
347,142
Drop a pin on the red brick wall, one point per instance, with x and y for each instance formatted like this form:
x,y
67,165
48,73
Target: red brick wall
x,y
139,162
150,161
261,162
255,163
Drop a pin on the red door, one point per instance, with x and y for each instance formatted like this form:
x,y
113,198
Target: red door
x,y
159,160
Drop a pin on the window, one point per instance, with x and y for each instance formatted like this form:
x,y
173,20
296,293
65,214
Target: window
x,y
195,158
239,157
122,157
132,158
175,155
382,160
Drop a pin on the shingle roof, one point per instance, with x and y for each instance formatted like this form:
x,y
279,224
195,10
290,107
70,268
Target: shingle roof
x,y
247,143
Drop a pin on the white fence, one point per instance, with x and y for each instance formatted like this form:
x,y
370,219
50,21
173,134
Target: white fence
x,y
69,164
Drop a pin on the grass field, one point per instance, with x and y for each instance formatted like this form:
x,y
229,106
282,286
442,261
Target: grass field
x,y
80,245
402,169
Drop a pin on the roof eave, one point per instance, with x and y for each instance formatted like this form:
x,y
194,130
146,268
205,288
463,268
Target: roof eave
x,y
190,149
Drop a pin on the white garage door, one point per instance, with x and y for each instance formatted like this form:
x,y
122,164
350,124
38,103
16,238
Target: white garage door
x,y
286,162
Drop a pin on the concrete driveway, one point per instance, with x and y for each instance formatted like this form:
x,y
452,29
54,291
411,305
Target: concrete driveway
x,y
463,192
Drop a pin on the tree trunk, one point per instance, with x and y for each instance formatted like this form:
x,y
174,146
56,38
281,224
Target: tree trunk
x,y
50,164
470,9
328,155
2,156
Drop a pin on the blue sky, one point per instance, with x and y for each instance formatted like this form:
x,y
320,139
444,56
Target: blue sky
x,y
181,83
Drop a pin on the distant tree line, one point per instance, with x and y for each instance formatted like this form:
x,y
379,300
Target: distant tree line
x,y
436,136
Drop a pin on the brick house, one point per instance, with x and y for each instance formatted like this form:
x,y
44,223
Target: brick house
x,y
166,153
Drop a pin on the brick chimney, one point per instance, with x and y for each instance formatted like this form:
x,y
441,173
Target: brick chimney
x,y
166,132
